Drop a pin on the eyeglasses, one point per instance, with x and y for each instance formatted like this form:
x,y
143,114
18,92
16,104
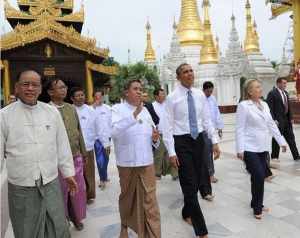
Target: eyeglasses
x,y
28,84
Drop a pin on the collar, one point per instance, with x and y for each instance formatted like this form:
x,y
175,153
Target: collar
x,y
55,105
129,105
30,107
184,89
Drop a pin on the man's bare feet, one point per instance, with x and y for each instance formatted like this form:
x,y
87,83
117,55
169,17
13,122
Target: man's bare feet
x,y
259,216
188,221
203,236
124,232
266,209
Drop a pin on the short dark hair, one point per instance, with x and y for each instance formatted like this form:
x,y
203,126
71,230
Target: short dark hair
x,y
157,90
53,81
130,82
26,71
207,85
75,90
280,79
98,91
179,68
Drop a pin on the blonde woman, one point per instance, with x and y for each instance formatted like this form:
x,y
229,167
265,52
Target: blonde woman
x,y
254,131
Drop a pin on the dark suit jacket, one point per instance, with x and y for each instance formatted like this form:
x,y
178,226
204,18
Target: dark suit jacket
x,y
277,108
152,112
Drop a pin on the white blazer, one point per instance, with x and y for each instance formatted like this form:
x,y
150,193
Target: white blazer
x,y
255,128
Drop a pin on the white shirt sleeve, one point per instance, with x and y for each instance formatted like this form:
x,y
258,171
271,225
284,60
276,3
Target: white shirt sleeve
x,y
2,142
219,120
64,154
168,128
207,122
241,116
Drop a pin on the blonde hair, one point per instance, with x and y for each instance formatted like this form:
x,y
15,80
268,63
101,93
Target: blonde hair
x,y
248,85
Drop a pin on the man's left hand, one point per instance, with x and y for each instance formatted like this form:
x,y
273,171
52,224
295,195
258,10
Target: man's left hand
x,y
107,150
72,185
216,151
155,135
220,133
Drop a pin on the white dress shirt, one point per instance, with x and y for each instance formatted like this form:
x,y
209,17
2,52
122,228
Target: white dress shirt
x,y
255,128
132,137
177,122
34,143
103,113
215,112
160,109
89,126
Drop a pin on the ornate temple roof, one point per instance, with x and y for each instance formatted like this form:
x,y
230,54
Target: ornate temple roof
x,y
31,10
48,28
47,20
190,28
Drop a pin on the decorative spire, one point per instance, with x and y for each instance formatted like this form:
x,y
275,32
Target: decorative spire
x,y
218,46
190,28
149,52
208,53
251,43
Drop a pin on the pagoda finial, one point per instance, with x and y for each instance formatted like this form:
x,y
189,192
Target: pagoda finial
x,y
208,53
149,52
190,28
251,43
174,24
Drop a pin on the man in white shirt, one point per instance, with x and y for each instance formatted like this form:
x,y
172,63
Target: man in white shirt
x,y
208,88
161,161
102,144
188,117
90,128
35,145
134,133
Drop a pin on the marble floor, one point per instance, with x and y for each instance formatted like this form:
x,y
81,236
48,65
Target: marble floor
x,y
229,215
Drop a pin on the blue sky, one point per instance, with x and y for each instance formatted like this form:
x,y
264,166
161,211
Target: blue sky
x,y
120,24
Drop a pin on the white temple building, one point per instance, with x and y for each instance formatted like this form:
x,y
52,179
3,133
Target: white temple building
x,y
193,43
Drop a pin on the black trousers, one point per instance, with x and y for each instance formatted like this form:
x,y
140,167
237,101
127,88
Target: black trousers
x,y
287,131
256,165
193,177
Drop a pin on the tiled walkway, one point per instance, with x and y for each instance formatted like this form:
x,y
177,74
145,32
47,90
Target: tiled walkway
x,y
227,216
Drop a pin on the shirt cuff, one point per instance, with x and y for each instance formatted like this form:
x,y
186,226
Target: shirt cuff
x,y
67,172
215,139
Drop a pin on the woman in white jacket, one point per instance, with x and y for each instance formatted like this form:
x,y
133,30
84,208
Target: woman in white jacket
x,y
254,131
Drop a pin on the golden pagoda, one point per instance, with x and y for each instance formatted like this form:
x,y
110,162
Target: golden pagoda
x,y
279,7
208,53
149,52
46,36
190,28
251,43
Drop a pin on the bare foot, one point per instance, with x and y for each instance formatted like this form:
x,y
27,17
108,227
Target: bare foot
x,y
124,232
266,209
259,216
188,221
203,236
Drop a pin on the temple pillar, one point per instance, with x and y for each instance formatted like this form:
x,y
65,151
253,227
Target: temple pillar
x,y
296,15
6,82
89,83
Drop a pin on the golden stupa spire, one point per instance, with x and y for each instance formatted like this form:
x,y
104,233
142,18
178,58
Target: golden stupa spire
x,y
208,53
251,43
149,52
190,28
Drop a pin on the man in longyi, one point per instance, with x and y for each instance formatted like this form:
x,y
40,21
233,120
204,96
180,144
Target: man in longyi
x,y
134,133
35,145
75,206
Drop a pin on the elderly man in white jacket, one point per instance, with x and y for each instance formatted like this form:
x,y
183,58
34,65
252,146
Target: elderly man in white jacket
x,y
254,130
133,134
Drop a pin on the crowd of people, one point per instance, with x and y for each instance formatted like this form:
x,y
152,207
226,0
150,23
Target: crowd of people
x,y
52,151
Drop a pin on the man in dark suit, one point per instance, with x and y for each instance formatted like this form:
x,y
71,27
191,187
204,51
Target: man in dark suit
x,y
150,108
278,100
